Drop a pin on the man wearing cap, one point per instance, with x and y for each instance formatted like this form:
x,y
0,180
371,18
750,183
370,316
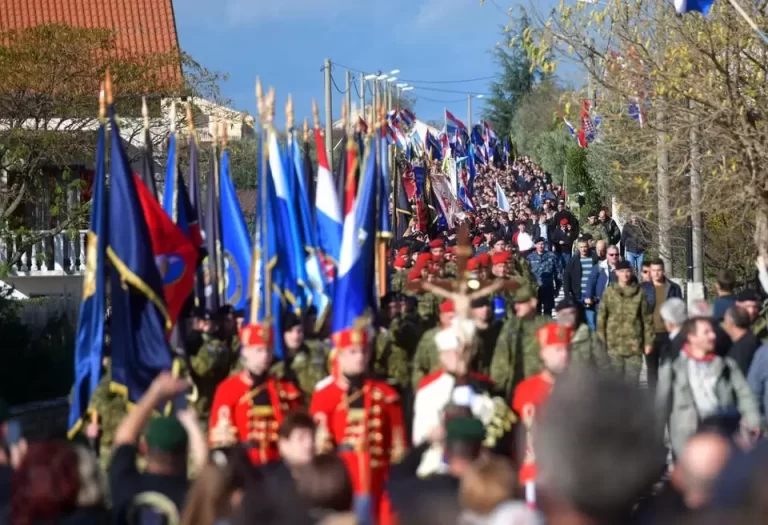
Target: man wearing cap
x,y
517,350
452,386
487,333
249,406
586,347
437,250
749,300
612,231
425,360
420,500
532,393
594,228
163,484
361,419
546,267
625,324
400,274
562,240
390,362
306,361
564,213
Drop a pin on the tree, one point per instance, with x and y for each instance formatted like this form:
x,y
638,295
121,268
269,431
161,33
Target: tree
x,y
518,77
693,77
49,82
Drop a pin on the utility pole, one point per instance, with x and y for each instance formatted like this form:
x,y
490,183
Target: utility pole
x,y
362,95
348,78
328,115
696,219
389,97
375,103
662,185
469,112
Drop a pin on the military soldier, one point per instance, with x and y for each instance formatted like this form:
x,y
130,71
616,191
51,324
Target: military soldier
x,y
488,330
517,350
400,275
594,228
109,409
306,361
586,347
503,301
625,324
361,419
248,407
426,359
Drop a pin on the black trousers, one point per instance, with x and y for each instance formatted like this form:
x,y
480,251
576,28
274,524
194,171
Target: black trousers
x,y
660,341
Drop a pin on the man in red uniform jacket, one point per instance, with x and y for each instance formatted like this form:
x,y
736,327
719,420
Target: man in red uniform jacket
x,y
249,407
532,393
362,420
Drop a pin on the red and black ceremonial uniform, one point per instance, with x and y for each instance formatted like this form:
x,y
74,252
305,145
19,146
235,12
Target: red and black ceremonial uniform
x,y
248,409
362,420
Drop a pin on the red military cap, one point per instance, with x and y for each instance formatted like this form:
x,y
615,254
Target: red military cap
x,y
500,258
447,307
400,262
563,222
484,259
450,249
423,259
437,243
256,335
555,334
404,251
477,240
350,337
473,264
414,274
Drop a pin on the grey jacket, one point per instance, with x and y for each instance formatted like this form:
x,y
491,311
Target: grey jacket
x,y
675,404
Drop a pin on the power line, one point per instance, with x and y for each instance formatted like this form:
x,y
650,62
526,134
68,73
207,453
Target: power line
x,y
333,80
441,101
464,81
449,91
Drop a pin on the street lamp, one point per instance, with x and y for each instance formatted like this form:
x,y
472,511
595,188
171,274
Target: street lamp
x,y
372,76
408,88
480,96
391,79
382,76
394,72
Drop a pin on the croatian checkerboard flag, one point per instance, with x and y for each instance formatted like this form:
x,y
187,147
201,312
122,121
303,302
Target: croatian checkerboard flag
x,y
327,209
452,124
702,6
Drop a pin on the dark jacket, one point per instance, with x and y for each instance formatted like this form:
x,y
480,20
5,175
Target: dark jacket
x,y
633,238
572,277
568,237
720,306
743,350
612,231
673,290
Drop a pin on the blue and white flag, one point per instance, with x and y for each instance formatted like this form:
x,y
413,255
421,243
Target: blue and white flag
x,y
501,200
702,6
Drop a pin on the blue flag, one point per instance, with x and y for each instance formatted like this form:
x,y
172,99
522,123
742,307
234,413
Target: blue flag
x,y
235,240
90,326
140,320
702,6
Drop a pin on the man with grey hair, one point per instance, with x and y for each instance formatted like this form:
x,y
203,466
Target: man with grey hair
x,y
625,456
674,313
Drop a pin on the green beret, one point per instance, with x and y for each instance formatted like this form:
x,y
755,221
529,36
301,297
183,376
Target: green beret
x,y
464,429
5,411
166,434
523,294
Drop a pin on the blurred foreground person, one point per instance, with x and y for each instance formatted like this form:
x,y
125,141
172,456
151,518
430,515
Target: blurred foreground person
x,y
326,489
217,494
597,450
487,495
699,384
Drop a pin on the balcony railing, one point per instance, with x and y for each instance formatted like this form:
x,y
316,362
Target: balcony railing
x,y
50,255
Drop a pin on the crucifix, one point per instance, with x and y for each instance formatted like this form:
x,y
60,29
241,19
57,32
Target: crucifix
x,y
463,290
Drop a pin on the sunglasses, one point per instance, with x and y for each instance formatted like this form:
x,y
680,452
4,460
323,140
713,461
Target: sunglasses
x,y
613,255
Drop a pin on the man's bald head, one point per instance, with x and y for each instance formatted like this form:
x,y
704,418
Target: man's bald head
x,y
703,459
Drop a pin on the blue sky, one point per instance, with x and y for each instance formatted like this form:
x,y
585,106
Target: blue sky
x,y
285,42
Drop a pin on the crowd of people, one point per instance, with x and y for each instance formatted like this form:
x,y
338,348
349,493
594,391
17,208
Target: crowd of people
x,y
617,404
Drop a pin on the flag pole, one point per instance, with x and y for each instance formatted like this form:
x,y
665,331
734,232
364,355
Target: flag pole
x,y
750,22
381,241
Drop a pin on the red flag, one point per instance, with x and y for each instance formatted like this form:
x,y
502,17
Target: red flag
x,y
175,254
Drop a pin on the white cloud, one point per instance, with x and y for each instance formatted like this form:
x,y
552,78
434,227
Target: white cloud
x,y
261,11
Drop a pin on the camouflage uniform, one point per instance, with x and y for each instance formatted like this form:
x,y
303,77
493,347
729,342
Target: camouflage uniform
x,y
426,359
486,344
625,326
111,408
428,305
399,280
587,349
597,231
516,356
308,367
451,269
390,362
212,363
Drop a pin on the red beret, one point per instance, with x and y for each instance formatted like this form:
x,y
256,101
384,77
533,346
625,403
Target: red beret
x,y
349,337
256,335
404,251
423,258
437,243
484,259
450,249
446,307
400,262
477,240
473,264
563,222
500,258
554,334
414,274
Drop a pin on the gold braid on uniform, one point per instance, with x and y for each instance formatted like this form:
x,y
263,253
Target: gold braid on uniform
x,y
501,422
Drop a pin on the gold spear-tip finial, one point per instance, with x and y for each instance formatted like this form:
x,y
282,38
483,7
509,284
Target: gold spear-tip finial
x,y
223,133
215,131
315,114
344,115
102,102
382,110
145,111
270,105
108,88
289,112
260,100
306,129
